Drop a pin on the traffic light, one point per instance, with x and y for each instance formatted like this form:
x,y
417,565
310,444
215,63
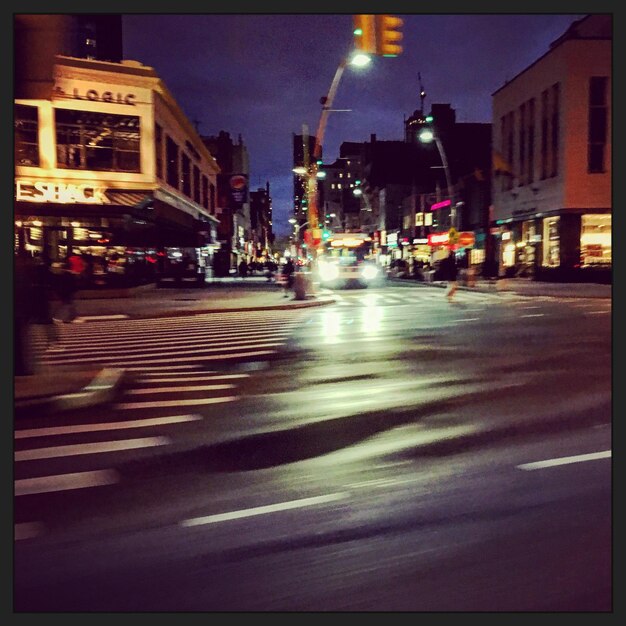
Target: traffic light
x,y
365,33
388,35
325,235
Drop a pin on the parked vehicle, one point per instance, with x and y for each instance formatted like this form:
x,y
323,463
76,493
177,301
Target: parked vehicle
x,y
181,266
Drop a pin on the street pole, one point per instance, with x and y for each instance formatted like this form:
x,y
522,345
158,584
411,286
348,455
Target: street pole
x,y
327,102
444,162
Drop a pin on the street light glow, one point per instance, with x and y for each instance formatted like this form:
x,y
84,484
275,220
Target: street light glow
x,y
292,220
321,174
360,60
426,135
299,170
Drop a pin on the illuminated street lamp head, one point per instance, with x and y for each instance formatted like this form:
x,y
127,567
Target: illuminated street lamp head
x,y
357,192
360,60
426,135
292,220
321,174
299,170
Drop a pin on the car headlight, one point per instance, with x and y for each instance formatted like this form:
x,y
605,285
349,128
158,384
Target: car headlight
x,y
369,272
328,271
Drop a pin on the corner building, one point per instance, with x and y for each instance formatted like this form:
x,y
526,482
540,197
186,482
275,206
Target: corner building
x,y
109,165
552,160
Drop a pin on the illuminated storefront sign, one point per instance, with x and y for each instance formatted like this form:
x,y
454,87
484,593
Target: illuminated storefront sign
x,y
438,239
61,193
421,241
466,239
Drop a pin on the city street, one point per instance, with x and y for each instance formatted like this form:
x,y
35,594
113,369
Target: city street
x,y
391,451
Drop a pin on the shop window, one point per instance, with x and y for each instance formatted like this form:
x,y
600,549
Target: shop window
x,y
26,135
97,141
595,240
551,247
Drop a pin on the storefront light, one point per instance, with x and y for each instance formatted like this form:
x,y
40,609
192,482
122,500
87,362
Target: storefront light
x,y
38,223
18,223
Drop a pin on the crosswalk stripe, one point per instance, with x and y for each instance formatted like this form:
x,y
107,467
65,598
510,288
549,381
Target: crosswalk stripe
x,y
65,482
182,389
104,426
125,406
208,357
35,454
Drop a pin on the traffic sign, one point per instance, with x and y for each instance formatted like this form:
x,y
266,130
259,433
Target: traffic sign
x,y
453,236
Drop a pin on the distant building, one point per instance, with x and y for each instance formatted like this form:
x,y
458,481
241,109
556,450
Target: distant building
x,y
303,148
261,222
552,158
233,202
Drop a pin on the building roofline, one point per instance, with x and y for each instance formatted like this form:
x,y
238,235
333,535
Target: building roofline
x,y
559,41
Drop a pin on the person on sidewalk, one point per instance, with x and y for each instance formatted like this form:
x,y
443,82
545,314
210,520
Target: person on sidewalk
x,y
65,287
451,274
42,310
243,268
288,271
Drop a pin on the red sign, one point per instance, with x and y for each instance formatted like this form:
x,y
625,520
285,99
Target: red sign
x,y
466,239
438,239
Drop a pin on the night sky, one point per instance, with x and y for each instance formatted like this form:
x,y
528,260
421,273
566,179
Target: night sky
x,y
262,76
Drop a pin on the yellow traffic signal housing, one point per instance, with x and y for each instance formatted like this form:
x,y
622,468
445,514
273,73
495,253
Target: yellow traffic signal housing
x,y
388,35
365,33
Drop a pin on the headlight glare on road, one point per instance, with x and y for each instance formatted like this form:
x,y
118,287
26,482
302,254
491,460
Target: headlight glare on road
x,y
369,272
328,271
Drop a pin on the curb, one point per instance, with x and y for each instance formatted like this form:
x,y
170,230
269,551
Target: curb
x,y
189,312
103,388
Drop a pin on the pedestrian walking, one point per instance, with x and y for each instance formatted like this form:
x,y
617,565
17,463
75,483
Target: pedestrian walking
x,y
451,272
65,286
42,310
288,275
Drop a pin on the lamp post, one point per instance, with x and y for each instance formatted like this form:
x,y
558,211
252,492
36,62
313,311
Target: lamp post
x,y
358,60
427,135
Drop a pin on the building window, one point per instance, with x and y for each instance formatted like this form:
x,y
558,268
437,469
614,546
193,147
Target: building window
x,y
522,144
551,251
555,129
186,175
348,175
598,122
171,156
340,175
544,134
595,240
196,184
338,185
332,185
205,192
530,172
158,150
212,199
97,141
26,135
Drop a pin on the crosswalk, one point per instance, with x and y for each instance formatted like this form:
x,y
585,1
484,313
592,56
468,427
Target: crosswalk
x,y
408,296
179,372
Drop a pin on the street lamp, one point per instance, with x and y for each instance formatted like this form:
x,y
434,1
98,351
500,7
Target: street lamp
x,y
427,135
357,59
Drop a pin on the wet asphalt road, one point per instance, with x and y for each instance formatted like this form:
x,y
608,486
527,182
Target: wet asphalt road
x,y
372,492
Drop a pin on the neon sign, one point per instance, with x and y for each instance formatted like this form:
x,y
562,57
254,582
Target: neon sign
x,y
440,205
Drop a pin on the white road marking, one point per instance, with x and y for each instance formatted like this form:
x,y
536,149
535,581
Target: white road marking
x,y
86,318
89,448
533,315
123,406
65,482
28,530
121,360
151,390
606,454
157,368
88,428
147,380
211,357
469,319
261,510
596,312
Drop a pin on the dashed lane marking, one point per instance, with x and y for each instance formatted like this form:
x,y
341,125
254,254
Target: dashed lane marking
x,y
594,456
65,482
